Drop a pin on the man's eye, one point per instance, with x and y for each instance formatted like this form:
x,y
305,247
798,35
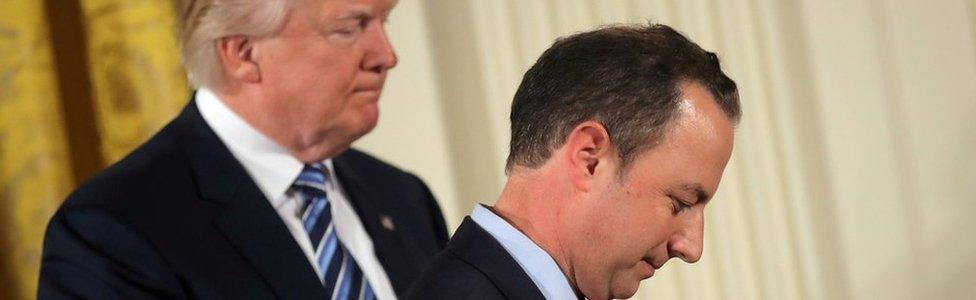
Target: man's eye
x,y
350,30
678,205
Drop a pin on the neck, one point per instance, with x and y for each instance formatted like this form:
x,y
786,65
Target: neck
x,y
537,213
268,121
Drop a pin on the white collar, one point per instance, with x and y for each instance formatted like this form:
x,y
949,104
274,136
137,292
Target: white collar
x,y
537,263
270,165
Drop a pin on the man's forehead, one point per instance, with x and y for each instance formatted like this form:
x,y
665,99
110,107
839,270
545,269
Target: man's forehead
x,y
346,7
329,11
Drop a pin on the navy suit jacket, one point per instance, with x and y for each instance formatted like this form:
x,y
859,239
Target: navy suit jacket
x,y
179,218
474,266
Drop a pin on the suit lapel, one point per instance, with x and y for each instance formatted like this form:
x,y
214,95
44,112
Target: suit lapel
x,y
474,245
261,236
248,220
389,246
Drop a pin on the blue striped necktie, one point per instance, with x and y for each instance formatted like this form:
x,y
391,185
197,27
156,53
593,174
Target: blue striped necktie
x,y
338,270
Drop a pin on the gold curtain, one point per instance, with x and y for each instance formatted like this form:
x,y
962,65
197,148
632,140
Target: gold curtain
x,y
138,83
34,171
82,83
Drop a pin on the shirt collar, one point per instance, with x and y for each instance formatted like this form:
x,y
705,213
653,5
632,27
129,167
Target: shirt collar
x,y
270,165
538,264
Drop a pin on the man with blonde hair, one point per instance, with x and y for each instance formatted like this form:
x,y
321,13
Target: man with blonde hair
x,y
252,191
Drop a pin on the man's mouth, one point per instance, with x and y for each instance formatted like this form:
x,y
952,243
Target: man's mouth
x,y
650,261
371,92
370,87
650,269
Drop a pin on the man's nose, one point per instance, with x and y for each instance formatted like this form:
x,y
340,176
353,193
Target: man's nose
x,y
380,55
687,244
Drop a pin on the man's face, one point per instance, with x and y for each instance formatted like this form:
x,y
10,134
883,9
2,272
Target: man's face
x,y
631,226
323,73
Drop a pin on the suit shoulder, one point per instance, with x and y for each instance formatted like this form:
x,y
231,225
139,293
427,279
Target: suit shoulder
x,y
155,168
402,195
450,277
372,165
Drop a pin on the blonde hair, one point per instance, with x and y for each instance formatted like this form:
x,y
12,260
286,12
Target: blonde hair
x,y
203,22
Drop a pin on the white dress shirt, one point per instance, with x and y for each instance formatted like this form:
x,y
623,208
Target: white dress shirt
x,y
538,264
274,170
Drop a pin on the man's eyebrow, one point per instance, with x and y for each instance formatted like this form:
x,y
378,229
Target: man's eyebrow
x,y
698,191
357,13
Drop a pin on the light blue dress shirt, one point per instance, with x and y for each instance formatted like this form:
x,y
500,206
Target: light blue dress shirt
x,y
540,267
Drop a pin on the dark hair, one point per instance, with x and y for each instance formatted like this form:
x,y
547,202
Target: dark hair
x,y
626,77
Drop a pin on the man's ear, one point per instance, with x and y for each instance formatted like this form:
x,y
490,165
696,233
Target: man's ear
x,y
236,56
588,151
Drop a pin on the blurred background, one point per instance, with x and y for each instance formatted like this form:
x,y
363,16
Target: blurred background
x,y
851,177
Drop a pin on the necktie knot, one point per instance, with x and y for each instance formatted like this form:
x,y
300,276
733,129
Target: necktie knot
x,y
312,180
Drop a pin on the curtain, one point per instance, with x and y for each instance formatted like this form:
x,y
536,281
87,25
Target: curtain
x,y
35,172
82,82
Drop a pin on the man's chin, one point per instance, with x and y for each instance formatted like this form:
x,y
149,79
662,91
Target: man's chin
x,y
319,152
625,288
627,292
624,294
370,117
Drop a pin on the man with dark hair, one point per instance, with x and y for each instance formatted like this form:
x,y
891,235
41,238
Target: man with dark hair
x,y
619,139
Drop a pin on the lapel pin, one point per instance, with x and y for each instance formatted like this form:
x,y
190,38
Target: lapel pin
x,y
387,222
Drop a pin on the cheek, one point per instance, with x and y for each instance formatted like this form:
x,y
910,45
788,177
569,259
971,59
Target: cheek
x,y
342,64
659,224
619,234
642,227
318,74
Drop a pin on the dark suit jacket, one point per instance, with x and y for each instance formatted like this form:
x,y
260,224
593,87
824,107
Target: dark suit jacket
x,y
179,218
474,266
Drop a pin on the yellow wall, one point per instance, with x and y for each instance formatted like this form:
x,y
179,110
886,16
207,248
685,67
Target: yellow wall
x,y
138,83
35,172
50,110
